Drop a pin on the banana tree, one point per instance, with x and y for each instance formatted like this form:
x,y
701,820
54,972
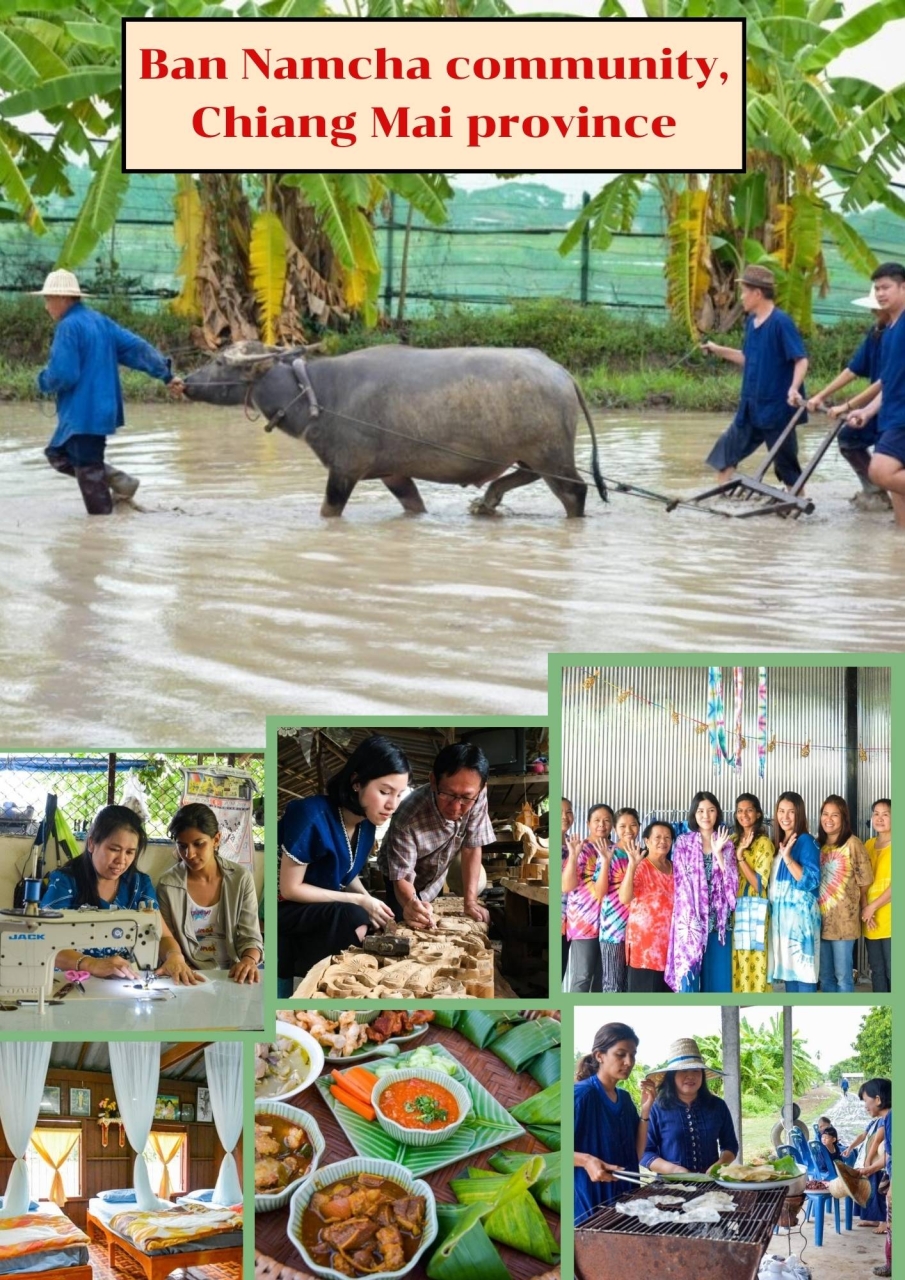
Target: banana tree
x,y
819,147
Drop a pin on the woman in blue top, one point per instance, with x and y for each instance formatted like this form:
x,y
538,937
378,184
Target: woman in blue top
x,y
324,844
609,1134
106,876
690,1129
794,936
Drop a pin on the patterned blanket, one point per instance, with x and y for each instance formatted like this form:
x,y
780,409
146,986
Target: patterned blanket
x,y
182,1224
34,1232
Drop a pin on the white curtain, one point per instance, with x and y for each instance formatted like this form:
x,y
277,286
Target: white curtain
x,y
223,1062
23,1070
136,1074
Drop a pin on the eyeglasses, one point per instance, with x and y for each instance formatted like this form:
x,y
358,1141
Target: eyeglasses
x,y
450,796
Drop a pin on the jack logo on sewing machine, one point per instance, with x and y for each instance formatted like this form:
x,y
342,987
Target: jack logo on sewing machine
x,y
27,937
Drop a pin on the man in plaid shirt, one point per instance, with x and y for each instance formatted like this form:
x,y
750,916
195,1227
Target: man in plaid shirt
x,y
447,816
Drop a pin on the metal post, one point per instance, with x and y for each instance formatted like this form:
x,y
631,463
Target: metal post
x,y
732,1065
788,1074
851,742
585,254
388,268
111,778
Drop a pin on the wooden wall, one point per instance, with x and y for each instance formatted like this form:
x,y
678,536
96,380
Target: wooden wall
x,y
104,1168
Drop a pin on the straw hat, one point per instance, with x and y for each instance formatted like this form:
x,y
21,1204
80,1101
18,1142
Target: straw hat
x,y
869,301
855,1185
759,278
684,1055
60,284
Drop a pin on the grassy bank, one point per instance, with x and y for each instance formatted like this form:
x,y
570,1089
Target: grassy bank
x,y
622,362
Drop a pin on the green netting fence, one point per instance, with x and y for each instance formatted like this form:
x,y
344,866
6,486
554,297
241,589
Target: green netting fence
x,y
500,244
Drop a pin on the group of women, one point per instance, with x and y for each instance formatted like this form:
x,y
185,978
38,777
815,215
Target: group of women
x,y
208,905
721,910
681,1127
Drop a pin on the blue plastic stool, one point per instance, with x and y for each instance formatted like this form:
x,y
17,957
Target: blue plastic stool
x,y
817,1201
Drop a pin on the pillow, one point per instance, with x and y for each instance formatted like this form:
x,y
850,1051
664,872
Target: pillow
x,y
124,1195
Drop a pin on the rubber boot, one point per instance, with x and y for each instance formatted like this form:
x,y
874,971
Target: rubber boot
x,y
123,485
95,491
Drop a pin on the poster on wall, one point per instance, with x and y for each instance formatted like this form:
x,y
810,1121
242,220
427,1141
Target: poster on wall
x,y
230,793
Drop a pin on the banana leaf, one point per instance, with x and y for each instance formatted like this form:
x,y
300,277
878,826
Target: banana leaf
x,y
465,1250
548,1134
516,1221
540,1108
465,1247
446,1017
546,1067
548,1188
481,1026
523,1043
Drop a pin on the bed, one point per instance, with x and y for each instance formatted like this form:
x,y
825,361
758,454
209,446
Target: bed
x,y
65,1256
156,1264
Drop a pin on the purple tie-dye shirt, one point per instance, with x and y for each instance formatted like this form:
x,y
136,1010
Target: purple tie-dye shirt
x,y
697,902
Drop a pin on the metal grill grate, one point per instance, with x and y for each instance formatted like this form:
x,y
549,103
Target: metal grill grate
x,y
752,1222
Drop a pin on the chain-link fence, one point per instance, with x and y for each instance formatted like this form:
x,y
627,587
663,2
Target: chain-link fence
x,y
500,244
85,783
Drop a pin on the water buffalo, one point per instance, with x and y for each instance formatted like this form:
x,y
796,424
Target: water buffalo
x,y
461,415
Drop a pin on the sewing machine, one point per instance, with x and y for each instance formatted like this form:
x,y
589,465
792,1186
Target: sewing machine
x,y
31,939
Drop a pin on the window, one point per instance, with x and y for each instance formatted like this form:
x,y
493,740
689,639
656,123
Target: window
x,y
54,1140
166,1152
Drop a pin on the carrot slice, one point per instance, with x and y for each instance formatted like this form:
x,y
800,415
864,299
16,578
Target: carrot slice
x,y
362,1077
344,1081
353,1103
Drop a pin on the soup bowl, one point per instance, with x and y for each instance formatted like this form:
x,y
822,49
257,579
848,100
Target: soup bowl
x,y
411,1136
265,1201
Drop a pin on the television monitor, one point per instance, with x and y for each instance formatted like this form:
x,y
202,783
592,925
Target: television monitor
x,y
504,748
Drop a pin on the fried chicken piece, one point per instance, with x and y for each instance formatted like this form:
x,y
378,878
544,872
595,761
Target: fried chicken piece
x,y
265,1144
389,1241
417,1018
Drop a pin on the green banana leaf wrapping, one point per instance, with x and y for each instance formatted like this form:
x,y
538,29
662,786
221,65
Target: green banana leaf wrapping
x,y
465,1249
548,1188
446,1017
540,1108
481,1026
546,1067
549,1134
522,1044
514,1220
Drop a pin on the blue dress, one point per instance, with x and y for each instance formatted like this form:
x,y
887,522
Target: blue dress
x,y
607,1130
134,889
310,831
693,1137
794,935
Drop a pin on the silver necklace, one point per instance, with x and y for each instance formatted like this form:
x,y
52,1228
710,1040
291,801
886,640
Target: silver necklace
x,y
348,841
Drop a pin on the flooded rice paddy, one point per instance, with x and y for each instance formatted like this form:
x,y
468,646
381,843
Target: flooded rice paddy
x,y
228,597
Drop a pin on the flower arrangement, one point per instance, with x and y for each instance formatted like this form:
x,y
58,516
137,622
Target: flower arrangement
x,y
108,1109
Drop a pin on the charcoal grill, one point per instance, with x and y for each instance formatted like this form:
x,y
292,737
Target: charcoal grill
x,y
611,1246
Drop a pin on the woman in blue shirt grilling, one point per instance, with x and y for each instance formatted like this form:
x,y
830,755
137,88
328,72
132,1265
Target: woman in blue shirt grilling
x,y
324,843
690,1128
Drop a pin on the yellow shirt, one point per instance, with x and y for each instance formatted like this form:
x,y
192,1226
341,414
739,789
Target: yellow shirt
x,y
881,861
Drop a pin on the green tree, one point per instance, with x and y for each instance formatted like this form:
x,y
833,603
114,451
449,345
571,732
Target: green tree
x,y
874,1042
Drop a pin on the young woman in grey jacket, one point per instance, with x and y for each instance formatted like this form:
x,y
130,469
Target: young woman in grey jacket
x,y
208,902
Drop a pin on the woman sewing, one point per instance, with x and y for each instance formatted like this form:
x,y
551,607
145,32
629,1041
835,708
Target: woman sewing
x,y
209,903
324,844
690,1129
106,876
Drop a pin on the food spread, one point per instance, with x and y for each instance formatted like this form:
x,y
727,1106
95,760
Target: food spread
x,y
363,1225
345,1036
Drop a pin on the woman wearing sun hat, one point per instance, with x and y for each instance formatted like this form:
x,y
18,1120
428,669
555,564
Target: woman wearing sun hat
x,y
83,373
690,1129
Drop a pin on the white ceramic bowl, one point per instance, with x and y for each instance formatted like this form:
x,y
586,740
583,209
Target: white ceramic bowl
x,y
286,1031
350,1168
266,1201
420,1137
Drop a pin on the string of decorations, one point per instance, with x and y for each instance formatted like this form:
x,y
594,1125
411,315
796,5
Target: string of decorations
x,y
738,736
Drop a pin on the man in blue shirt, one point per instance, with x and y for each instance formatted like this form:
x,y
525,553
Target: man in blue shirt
x,y
887,467
774,363
83,374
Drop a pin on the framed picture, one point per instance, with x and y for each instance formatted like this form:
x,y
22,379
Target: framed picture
x,y
50,1100
80,1102
187,1112
204,1106
167,1106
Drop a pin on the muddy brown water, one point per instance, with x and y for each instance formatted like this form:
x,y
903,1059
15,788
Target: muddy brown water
x,y
229,598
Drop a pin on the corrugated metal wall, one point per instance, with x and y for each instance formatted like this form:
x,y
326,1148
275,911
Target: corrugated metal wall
x,y
630,753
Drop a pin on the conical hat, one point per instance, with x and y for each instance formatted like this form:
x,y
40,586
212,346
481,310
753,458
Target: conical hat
x,y
858,1187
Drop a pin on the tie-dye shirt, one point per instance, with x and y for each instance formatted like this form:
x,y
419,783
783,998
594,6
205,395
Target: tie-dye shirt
x,y
613,913
582,908
649,917
844,872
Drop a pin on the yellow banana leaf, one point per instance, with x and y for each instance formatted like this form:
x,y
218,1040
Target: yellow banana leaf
x,y
187,230
267,257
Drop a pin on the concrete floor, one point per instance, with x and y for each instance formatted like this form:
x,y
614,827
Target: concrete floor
x,y
851,1255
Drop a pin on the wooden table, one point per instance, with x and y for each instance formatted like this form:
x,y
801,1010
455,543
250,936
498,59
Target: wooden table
x,y
506,1086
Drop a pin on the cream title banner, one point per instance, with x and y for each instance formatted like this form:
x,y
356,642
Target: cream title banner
x,y
463,95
